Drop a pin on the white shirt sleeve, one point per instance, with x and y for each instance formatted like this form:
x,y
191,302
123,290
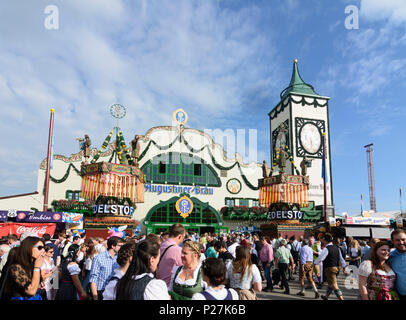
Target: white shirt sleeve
x,y
323,255
198,296
110,291
343,263
234,294
156,290
73,269
229,267
256,275
365,268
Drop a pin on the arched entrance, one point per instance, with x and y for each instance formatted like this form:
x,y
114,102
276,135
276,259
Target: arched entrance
x,y
203,218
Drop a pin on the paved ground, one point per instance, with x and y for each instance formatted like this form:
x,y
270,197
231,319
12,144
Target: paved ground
x,y
277,294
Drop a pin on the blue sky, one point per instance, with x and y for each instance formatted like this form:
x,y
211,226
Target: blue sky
x,y
224,61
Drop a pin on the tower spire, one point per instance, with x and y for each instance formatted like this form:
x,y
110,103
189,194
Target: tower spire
x,y
297,85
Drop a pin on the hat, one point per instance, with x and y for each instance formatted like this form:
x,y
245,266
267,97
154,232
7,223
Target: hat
x,y
28,234
283,242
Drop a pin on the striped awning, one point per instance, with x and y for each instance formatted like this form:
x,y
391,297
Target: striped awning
x,y
284,193
112,185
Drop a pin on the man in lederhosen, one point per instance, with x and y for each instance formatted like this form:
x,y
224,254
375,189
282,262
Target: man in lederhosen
x,y
332,259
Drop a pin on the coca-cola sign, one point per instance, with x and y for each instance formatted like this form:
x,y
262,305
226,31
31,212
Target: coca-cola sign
x,y
38,229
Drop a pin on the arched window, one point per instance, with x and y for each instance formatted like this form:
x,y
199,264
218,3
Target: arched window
x,y
165,212
183,168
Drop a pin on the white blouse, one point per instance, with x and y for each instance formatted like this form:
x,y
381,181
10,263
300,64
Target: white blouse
x,y
248,279
220,294
156,289
189,282
73,269
365,269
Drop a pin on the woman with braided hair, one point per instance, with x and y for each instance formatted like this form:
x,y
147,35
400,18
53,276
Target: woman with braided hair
x,y
187,279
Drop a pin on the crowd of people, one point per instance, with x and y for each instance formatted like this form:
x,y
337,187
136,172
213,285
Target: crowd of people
x,y
176,265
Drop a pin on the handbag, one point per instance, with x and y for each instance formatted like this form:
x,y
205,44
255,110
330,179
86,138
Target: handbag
x,y
245,294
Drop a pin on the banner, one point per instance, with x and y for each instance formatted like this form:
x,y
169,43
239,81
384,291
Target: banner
x,y
3,215
71,217
366,220
39,228
285,193
40,216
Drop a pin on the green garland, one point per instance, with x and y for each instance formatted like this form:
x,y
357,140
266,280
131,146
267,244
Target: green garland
x,y
63,179
104,145
290,159
162,148
66,175
274,113
191,149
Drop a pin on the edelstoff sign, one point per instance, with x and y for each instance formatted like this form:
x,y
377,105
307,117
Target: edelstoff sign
x,y
366,220
113,209
285,215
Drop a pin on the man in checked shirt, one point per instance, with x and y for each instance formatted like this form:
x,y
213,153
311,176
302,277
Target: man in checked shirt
x,y
103,267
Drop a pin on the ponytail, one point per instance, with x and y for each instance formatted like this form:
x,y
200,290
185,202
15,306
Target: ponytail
x,y
143,251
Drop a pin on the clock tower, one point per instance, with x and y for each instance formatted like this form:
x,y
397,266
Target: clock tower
x,y
297,123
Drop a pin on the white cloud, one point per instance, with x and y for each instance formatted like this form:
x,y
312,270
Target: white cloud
x,y
392,10
151,56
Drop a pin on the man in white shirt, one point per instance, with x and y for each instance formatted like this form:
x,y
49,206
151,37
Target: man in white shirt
x,y
332,258
233,246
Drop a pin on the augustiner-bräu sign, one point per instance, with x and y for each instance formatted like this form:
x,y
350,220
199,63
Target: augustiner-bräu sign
x,y
285,215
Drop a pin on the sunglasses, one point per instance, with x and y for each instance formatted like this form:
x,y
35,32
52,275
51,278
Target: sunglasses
x,y
39,247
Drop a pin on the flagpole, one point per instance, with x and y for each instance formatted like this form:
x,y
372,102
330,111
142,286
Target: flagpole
x,y
400,200
324,177
51,126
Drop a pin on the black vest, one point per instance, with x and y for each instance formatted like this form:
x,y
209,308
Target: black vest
x,y
138,287
333,257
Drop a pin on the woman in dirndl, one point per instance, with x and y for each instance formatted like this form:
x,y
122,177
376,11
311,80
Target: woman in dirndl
x,y
70,287
187,279
376,279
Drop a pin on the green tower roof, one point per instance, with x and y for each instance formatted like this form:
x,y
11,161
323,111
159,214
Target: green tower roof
x,y
297,85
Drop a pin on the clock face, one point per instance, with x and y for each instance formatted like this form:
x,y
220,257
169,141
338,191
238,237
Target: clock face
x,y
310,138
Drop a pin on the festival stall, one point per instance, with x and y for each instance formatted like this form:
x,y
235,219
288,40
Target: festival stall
x,y
40,222
287,198
114,188
356,227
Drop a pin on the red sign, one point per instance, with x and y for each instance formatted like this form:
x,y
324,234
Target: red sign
x,y
39,228
4,229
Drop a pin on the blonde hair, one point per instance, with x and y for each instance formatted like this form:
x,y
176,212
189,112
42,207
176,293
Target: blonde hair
x,y
242,261
355,244
194,246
